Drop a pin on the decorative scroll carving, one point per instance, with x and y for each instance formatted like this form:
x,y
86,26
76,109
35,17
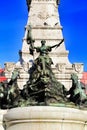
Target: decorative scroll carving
x,y
60,67
9,66
78,67
42,15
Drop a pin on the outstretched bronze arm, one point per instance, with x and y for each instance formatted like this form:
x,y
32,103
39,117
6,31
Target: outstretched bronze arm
x,y
57,44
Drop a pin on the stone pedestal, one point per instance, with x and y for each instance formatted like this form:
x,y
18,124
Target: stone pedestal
x,y
2,112
46,118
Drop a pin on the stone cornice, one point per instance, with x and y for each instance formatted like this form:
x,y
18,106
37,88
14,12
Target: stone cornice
x,y
63,54
46,27
29,2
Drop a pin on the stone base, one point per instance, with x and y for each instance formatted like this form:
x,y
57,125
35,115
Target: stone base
x,y
2,112
46,118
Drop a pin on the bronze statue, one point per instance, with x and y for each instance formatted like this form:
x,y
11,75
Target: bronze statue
x,y
76,92
3,95
13,89
9,92
44,59
42,86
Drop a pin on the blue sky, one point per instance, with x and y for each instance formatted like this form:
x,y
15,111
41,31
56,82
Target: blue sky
x,y
73,17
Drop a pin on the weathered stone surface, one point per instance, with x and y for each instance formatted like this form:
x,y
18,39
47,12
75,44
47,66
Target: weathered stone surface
x,y
2,125
46,118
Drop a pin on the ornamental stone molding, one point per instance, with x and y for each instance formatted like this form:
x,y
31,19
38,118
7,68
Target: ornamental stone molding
x,y
78,67
61,67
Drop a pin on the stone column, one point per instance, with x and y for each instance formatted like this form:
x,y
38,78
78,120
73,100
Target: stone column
x,y
43,16
46,118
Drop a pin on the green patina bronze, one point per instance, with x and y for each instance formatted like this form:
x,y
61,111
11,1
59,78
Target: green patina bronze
x,y
9,92
42,88
77,92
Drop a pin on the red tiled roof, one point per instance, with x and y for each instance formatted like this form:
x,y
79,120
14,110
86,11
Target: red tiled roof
x,y
2,78
84,78
84,81
1,70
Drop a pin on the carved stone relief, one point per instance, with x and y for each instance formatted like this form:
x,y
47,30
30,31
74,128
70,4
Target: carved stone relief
x,y
78,67
60,67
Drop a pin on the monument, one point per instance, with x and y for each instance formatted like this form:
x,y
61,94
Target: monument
x,y
50,96
43,17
